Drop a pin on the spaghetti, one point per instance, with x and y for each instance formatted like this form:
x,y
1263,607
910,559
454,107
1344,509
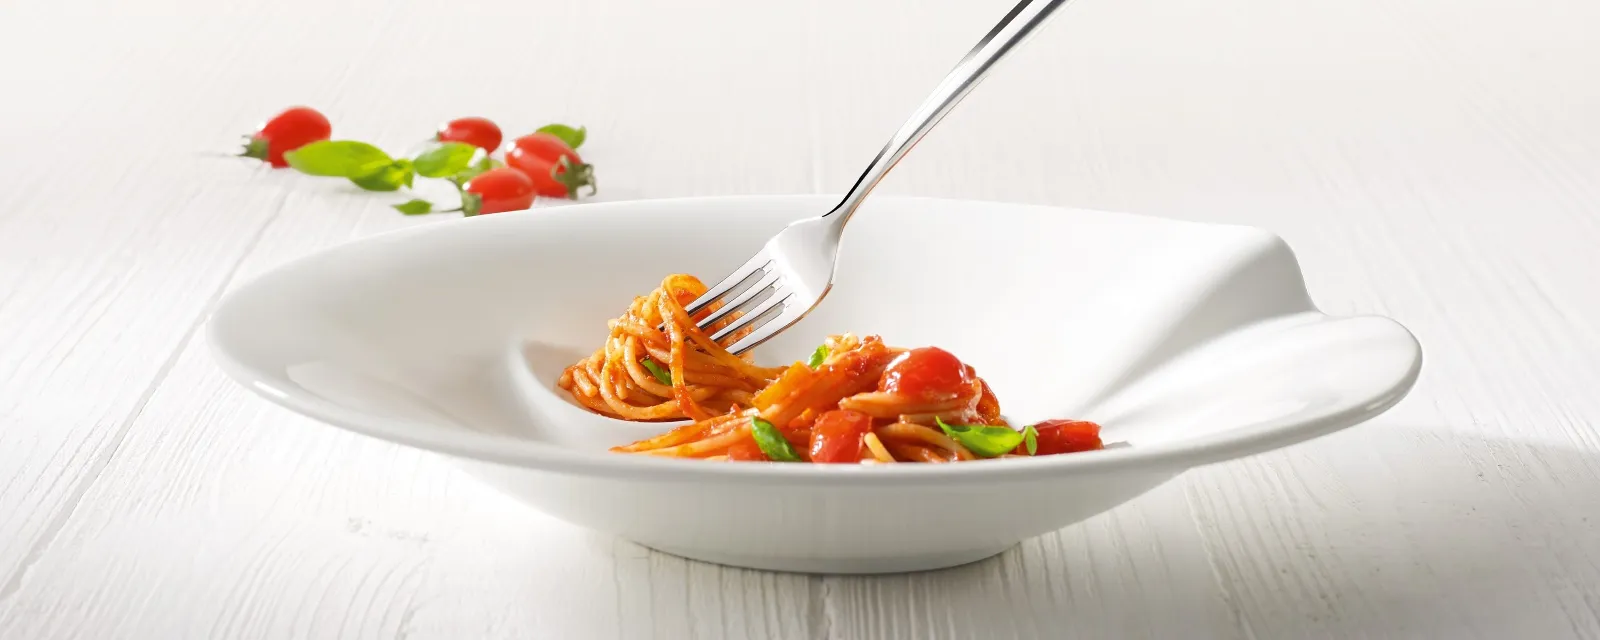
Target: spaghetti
x,y
642,373
857,400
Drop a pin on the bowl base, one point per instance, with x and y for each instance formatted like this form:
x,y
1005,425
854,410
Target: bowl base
x,y
836,566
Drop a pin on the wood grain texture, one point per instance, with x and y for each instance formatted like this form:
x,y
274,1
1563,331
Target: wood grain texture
x,y
1435,161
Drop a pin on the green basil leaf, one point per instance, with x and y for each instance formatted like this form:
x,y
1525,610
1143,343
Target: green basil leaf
x,y
985,441
388,178
662,375
338,159
772,441
414,207
818,356
446,159
573,137
1030,439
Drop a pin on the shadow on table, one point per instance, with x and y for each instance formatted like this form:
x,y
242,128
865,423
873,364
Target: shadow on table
x,y
1381,530
1384,531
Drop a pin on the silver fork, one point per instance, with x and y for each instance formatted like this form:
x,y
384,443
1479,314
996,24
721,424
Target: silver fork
x,y
791,274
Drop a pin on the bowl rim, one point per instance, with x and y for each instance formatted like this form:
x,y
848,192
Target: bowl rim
x,y
1174,456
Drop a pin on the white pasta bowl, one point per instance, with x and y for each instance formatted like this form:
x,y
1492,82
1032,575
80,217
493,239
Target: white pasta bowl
x,y
1192,343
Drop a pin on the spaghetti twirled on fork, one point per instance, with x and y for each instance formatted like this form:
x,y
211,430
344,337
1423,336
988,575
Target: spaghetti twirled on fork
x,y
645,374
857,400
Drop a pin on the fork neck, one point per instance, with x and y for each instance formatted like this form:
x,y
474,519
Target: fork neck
x,y
880,166
1010,31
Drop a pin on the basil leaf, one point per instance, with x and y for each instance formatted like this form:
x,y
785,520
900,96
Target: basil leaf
x,y
388,178
447,159
1030,439
772,441
655,369
414,207
338,159
818,356
573,137
985,441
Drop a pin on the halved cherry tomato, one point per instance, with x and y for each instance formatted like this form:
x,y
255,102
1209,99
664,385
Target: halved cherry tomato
x,y
497,190
1064,436
285,132
747,451
478,132
926,373
556,170
836,438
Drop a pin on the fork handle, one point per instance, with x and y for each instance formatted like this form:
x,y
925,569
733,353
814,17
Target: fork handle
x,y
1011,30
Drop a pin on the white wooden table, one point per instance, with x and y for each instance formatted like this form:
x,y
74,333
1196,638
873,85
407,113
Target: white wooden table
x,y
1437,161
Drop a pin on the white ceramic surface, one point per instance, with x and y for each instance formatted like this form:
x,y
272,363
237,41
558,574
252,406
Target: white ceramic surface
x,y
1193,343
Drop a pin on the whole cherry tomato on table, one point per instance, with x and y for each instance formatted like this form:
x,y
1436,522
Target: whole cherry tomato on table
x,y
478,132
556,170
287,131
497,190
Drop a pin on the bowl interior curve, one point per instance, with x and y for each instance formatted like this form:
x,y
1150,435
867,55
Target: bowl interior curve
x,y
1173,335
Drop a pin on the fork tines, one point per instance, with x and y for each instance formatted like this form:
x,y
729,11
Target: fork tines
x,y
757,289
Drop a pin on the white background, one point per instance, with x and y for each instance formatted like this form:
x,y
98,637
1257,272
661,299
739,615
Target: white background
x,y
1437,161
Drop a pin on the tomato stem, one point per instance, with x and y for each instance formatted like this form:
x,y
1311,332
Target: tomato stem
x,y
256,147
471,204
573,176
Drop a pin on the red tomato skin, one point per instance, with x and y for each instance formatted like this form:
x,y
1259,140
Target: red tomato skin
x,y
501,189
1064,436
747,451
539,156
542,174
927,373
482,133
836,437
294,128
544,146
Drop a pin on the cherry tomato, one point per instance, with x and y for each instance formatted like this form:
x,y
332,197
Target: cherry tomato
x,y
926,373
543,146
836,438
1064,436
496,190
287,131
540,156
478,132
747,451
